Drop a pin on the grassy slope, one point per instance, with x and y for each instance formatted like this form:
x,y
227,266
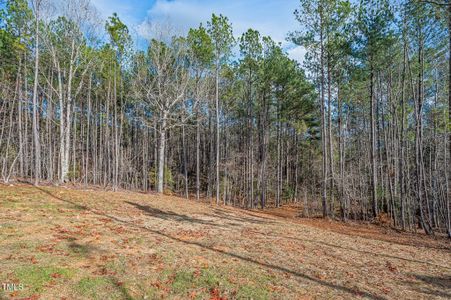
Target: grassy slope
x,y
73,244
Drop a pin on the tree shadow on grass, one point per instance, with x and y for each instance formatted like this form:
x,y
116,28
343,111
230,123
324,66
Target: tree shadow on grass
x,y
321,243
73,204
171,216
224,215
437,286
231,219
256,213
442,282
388,238
82,249
380,233
354,292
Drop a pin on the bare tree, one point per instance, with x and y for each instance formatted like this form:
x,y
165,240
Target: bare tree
x,y
66,40
163,83
37,146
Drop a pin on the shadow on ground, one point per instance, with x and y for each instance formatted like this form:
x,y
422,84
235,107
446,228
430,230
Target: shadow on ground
x,y
182,218
436,285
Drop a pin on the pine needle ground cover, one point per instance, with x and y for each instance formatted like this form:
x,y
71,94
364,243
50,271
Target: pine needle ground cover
x,y
61,243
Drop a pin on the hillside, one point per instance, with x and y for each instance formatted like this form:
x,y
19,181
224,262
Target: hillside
x,y
61,243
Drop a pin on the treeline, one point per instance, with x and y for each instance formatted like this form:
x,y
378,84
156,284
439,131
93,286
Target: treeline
x,y
383,76
362,132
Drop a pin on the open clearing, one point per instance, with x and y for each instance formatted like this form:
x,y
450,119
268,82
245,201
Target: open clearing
x,y
64,243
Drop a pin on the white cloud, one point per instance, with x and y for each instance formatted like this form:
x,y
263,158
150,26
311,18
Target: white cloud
x,y
297,53
270,17
123,8
131,12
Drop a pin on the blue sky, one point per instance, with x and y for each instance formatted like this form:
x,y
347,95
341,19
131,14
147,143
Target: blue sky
x,y
270,17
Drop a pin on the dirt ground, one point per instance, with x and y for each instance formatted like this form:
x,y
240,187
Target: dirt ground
x,y
61,243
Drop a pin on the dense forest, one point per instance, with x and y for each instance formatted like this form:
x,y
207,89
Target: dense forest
x,y
360,130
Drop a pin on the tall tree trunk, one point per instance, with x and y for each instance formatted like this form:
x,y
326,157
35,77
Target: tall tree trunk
x,y
279,154
323,120
21,139
401,142
330,136
161,153
449,80
185,167
116,133
418,138
198,158
373,146
217,129
340,155
37,145
88,121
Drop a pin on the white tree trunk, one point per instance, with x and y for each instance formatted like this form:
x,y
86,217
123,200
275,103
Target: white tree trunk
x,y
66,147
161,152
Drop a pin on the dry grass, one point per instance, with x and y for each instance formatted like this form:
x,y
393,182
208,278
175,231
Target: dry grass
x,y
88,244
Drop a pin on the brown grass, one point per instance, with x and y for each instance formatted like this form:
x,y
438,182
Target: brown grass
x,y
65,243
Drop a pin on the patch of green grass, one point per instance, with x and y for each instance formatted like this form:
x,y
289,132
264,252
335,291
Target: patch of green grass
x,y
7,226
252,292
169,255
145,290
118,266
187,279
183,281
34,278
252,283
91,286
50,207
150,293
11,203
209,278
253,286
101,288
